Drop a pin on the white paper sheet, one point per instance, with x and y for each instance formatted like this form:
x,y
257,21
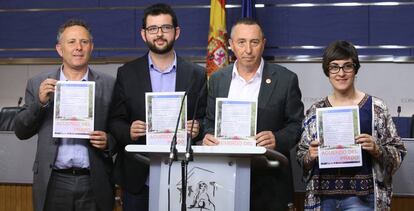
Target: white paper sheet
x,y
336,129
236,122
162,109
74,109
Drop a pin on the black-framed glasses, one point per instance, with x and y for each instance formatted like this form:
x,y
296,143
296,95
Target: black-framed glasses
x,y
347,68
166,28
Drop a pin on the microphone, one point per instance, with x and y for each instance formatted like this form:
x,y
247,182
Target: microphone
x,y
173,146
19,102
398,111
189,151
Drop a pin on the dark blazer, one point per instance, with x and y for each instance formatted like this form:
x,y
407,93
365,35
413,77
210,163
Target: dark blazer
x,y
34,119
128,104
280,110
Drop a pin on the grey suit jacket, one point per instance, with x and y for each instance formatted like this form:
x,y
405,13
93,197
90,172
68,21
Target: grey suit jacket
x,y
280,110
34,119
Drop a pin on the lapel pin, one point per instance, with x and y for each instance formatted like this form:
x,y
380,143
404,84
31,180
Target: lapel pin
x,y
268,81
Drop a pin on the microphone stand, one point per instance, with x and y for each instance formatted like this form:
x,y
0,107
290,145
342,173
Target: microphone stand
x,y
173,147
188,154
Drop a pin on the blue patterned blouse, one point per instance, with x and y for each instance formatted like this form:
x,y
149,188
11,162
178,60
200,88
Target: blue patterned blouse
x,y
352,180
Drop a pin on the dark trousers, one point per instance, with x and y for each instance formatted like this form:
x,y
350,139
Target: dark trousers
x,y
135,202
70,193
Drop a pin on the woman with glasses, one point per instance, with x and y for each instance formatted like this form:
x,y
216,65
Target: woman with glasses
x,y
367,187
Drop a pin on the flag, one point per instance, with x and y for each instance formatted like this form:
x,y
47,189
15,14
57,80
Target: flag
x,y
248,9
217,55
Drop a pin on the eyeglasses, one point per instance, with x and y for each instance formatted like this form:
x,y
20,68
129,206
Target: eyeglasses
x,y
166,28
347,68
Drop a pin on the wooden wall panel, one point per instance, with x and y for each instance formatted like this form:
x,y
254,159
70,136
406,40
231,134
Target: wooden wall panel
x,y
402,204
18,197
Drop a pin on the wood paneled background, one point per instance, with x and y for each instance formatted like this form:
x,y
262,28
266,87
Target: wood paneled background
x,y
18,197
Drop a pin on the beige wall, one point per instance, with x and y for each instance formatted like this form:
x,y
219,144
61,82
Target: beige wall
x,y
392,82
13,79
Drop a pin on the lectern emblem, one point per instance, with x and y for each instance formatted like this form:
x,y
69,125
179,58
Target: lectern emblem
x,y
201,199
201,192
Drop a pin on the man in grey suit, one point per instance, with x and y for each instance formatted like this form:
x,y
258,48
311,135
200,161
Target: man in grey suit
x,y
279,115
69,174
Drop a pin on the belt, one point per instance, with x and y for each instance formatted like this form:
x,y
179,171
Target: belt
x,y
73,171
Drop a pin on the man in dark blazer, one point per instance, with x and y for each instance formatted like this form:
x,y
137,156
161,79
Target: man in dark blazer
x,y
161,70
69,174
279,114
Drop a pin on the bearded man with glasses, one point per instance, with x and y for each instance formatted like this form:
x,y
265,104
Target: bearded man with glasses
x,y
160,70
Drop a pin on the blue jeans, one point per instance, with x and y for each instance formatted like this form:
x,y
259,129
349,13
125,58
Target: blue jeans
x,y
349,203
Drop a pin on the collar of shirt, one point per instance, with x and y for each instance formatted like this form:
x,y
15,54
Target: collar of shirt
x,y
257,75
63,77
172,68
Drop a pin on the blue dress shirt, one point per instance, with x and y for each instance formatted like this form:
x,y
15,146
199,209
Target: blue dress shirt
x,y
72,152
163,81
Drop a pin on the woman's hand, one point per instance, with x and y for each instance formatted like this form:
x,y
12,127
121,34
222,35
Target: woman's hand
x,y
313,150
368,143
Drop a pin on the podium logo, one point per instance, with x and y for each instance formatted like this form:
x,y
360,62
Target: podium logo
x,y
201,192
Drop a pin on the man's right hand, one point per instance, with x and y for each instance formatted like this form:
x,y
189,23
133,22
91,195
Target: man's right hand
x,y
46,87
137,130
210,140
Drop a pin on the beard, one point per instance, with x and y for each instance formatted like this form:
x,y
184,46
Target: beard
x,y
160,50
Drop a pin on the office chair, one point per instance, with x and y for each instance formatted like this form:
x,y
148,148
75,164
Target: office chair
x,y
412,127
7,115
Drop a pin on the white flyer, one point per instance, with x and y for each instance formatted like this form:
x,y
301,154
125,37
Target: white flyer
x,y
235,122
163,109
74,109
337,128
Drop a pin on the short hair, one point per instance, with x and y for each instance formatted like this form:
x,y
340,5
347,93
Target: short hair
x,y
73,22
158,9
340,50
246,21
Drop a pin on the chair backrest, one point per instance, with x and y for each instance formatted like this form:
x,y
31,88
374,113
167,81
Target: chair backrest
x,y
412,127
7,115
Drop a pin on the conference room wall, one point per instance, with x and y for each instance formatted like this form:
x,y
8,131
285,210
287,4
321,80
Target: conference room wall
x,y
392,82
28,24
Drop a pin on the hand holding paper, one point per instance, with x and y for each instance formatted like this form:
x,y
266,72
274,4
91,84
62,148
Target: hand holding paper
x,y
210,140
138,129
313,149
99,139
368,143
46,87
196,128
266,139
